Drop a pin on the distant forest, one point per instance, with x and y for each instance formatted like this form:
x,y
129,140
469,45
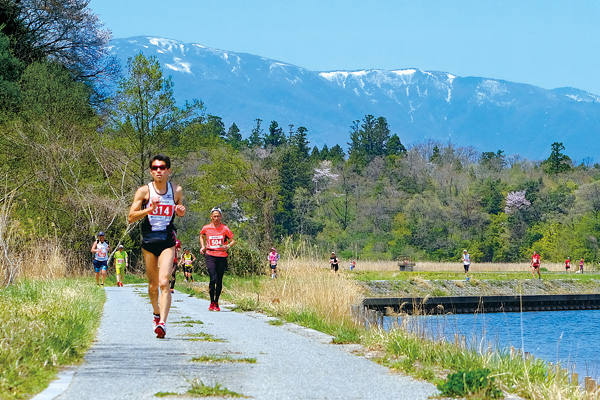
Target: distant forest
x,y
74,151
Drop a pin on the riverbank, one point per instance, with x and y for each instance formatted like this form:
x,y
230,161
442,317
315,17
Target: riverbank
x,y
416,285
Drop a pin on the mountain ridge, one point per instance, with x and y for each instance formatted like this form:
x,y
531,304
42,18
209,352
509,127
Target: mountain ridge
x,y
489,114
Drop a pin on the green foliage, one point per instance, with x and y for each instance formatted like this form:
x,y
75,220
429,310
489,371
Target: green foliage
x,y
470,383
369,139
557,162
243,260
144,112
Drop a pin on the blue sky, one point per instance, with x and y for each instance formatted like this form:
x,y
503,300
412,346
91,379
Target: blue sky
x,y
549,43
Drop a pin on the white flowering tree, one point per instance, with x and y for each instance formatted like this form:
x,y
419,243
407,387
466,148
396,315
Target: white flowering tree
x,y
516,201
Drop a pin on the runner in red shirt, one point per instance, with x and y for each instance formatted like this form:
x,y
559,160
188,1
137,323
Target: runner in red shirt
x,y
215,239
535,265
568,264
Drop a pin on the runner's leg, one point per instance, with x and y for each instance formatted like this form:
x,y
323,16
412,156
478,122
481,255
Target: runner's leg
x,y
212,273
151,262
221,267
165,263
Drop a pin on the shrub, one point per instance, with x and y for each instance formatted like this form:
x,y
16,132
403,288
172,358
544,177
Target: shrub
x,y
246,261
467,383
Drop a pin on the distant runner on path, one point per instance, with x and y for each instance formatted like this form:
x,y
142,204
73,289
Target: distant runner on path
x,y
215,239
273,259
568,264
158,203
100,248
535,265
187,260
121,261
581,266
466,259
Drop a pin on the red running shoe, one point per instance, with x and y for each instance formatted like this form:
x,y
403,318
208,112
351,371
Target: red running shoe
x,y
217,307
155,321
160,330
211,307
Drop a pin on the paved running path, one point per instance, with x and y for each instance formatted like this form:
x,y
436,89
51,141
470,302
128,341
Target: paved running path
x,y
127,361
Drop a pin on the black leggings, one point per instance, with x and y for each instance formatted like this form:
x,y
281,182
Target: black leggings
x,y
173,275
216,269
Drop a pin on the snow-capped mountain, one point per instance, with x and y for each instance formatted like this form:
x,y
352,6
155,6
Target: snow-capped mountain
x,y
486,113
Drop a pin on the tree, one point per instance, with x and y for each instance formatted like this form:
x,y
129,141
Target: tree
x,y
11,69
63,31
144,111
435,155
275,137
368,140
493,161
336,154
234,137
395,146
255,136
299,142
516,201
557,162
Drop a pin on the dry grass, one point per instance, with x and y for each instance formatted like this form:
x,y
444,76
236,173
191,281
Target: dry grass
x,y
23,257
457,266
304,285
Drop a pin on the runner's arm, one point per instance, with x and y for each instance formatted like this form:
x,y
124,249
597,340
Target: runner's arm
x,y
202,247
135,212
179,208
94,249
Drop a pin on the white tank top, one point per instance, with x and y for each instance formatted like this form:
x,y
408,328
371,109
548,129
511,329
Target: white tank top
x,y
160,218
102,254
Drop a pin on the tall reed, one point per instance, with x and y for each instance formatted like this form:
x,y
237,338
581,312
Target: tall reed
x,y
302,285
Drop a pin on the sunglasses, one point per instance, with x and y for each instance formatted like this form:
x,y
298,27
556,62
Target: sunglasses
x,y
158,167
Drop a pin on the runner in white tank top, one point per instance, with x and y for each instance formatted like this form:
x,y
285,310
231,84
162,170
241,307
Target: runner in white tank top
x,y
157,204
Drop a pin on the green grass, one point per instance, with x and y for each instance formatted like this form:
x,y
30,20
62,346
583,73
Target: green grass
x,y
166,394
343,333
276,322
188,322
445,275
200,389
213,358
431,359
111,280
201,336
45,324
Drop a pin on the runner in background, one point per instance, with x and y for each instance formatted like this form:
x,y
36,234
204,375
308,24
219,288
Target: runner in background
x,y
157,204
535,265
273,259
121,261
100,248
466,259
187,260
174,272
568,264
215,239
581,266
334,262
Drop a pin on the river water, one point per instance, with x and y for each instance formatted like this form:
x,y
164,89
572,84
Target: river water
x,y
569,337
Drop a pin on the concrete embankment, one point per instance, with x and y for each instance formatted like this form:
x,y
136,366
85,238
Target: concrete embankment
x,y
484,304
